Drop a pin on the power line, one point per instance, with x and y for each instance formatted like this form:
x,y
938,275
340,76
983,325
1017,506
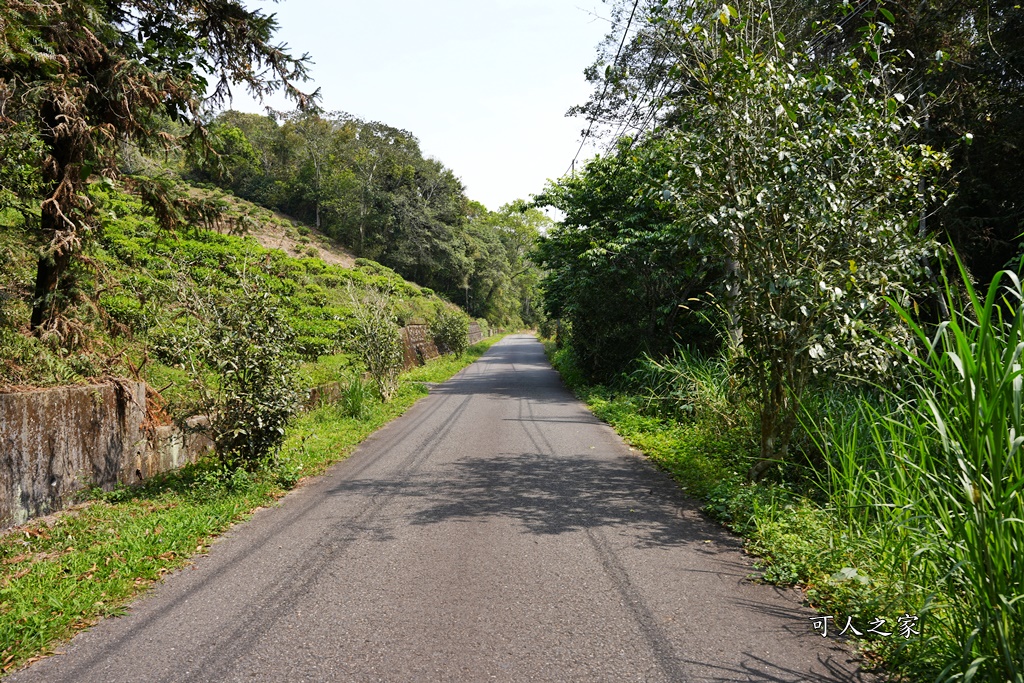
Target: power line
x,y
604,91
816,41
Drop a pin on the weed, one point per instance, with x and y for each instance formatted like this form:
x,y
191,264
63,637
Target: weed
x,y
356,397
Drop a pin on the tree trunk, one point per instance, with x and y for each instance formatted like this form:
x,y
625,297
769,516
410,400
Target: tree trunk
x,y
732,295
48,273
779,406
59,169
66,135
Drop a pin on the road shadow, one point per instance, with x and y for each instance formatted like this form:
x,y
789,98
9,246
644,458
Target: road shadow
x,y
551,495
835,666
516,369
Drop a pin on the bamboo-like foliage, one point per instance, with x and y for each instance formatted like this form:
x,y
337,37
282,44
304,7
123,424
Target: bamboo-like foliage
x,y
935,478
970,398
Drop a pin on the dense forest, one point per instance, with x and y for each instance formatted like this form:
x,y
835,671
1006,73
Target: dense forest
x,y
792,277
367,185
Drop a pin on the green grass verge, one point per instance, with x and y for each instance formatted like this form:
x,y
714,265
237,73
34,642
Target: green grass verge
x,y
61,575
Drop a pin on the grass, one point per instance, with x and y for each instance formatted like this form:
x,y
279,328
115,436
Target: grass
x,y
61,575
326,369
932,480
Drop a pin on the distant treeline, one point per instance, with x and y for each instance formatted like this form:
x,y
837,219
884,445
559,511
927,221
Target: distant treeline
x,y
368,185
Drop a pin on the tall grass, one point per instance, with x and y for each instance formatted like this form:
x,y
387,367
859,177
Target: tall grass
x,y
683,384
933,478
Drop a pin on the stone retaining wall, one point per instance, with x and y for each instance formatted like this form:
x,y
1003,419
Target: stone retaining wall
x,y
55,442
475,333
418,345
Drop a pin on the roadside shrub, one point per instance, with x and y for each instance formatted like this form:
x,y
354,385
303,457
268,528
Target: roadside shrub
x,y
356,397
312,348
377,339
450,330
936,472
244,366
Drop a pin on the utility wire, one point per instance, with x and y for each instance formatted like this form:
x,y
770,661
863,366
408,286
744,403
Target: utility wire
x,y
604,91
823,35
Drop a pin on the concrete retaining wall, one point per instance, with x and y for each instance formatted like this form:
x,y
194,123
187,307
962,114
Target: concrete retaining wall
x,y
418,344
55,442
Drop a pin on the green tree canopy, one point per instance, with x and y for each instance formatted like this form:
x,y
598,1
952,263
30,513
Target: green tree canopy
x,y
84,76
368,185
962,66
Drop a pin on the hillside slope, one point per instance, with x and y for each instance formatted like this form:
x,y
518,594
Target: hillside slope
x,y
275,230
141,294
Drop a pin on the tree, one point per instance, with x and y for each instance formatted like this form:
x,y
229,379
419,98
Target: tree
x,y
90,74
621,266
805,178
368,185
963,65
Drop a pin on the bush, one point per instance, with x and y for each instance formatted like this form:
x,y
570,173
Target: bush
x,y
378,339
547,328
311,348
127,311
450,330
933,475
248,347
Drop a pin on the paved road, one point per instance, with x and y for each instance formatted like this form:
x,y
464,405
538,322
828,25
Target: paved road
x,y
496,532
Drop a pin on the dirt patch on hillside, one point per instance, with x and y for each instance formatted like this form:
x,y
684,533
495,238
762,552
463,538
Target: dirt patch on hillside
x,y
275,230
281,234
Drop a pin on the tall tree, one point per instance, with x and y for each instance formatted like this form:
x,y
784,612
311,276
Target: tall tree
x,y
962,65
620,266
90,74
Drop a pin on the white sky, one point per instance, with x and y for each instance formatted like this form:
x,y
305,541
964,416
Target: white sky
x,y
483,84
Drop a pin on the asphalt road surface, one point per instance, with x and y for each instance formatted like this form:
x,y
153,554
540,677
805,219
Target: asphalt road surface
x,y
496,532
